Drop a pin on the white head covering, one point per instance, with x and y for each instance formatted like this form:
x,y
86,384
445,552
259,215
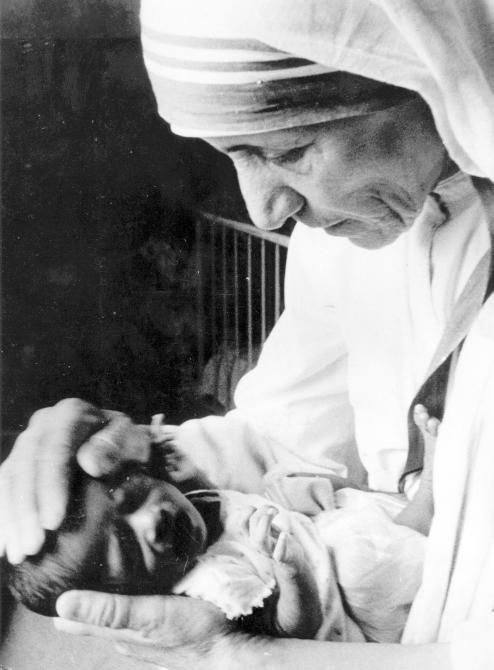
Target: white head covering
x,y
442,49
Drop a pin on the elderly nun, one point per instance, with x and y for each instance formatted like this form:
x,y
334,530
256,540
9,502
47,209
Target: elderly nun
x,y
371,123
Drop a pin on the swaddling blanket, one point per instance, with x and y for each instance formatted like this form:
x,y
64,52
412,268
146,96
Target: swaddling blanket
x,y
354,551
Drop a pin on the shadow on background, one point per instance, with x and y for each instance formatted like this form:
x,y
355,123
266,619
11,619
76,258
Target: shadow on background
x,y
97,233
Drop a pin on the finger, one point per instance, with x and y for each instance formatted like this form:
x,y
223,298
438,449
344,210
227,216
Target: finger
x,y
112,611
37,418
280,550
21,526
24,504
4,504
433,426
420,416
10,537
109,616
168,432
119,441
171,620
72,421
260,527
30,530
2,534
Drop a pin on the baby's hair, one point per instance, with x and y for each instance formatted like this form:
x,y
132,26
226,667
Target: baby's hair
x,y
67,561
39,580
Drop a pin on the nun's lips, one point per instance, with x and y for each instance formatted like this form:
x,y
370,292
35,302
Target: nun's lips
x,y
346,228
332,227
348,223
372,205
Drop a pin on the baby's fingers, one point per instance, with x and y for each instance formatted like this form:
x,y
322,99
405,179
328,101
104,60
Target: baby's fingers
x,y
280,552
260,529
287,551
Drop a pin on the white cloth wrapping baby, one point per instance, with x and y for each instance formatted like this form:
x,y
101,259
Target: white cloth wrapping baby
x,y
356,553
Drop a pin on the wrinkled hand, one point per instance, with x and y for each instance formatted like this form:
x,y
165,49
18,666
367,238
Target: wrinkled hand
x,y
34,478
174,632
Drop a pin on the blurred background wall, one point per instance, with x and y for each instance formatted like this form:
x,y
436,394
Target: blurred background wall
x,y
98,271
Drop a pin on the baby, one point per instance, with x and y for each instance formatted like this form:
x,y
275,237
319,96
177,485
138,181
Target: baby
x,y
140,535
270,570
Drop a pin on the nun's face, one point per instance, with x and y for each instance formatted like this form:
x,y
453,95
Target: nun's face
x,y
365,178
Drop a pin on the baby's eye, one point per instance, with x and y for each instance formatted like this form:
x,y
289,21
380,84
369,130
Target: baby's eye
x,y
130,496
289,157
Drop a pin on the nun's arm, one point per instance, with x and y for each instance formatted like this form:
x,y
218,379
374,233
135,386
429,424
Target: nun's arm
x,y
180,633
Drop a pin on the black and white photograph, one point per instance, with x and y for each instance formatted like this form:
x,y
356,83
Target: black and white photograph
x,y
247,335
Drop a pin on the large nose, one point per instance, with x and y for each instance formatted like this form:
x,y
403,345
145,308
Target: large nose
x,y
270,200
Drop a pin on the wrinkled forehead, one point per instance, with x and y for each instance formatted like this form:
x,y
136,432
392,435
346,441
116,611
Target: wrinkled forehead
x,y
211,80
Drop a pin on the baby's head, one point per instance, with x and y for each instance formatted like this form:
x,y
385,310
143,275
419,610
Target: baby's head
x,y
133,535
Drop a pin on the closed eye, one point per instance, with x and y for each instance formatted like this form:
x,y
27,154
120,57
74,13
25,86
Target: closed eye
x,y
131,494
289,157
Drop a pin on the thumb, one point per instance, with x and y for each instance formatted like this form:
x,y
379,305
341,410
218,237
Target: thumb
x,y
169,620
108,610
119,441
111,616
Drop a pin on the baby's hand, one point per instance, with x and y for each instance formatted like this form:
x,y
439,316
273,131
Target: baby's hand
x,y
429,427
298,612
267,537
173,464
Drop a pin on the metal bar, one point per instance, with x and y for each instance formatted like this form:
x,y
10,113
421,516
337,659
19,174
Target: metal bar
x,y
249,302
263,291
224,304
217,313
248,228
212,307
277,285
235,296
199,300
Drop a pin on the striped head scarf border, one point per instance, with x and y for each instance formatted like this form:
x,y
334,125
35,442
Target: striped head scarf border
x,y
218,86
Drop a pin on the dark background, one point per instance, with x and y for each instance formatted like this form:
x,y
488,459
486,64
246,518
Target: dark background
x,y
98,272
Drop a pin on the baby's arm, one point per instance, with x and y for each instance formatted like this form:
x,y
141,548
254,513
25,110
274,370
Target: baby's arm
x,y
168,461
419,512
293,610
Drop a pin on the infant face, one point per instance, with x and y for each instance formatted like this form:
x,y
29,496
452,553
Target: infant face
x,y
149,532
136,535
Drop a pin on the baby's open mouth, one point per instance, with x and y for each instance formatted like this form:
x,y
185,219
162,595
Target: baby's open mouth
x,y
183,537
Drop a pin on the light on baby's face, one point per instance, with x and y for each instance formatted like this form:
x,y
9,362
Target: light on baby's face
x,y
137,535
152,532
363,177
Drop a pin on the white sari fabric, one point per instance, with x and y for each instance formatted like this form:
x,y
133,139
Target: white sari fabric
x,y
458,582
442,49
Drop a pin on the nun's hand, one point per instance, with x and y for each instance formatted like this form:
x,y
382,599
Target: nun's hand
x,y
34,478
173,632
